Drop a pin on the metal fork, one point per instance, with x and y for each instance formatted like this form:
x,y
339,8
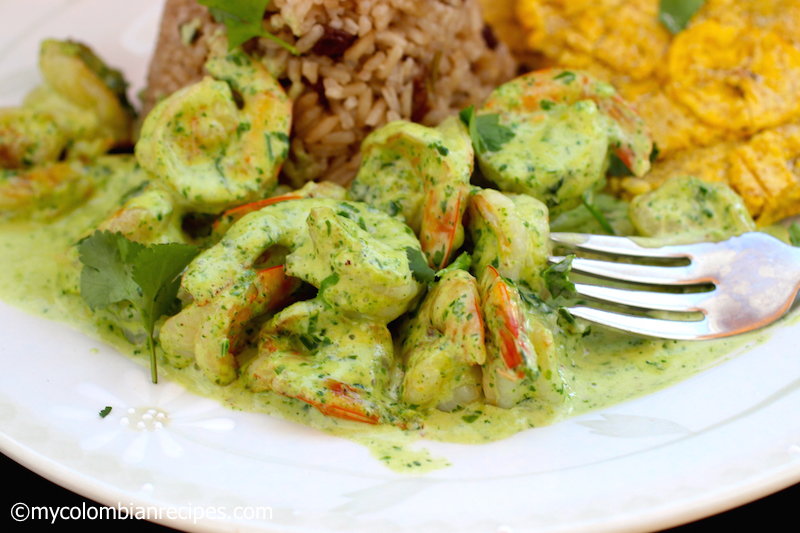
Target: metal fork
x,y
755,276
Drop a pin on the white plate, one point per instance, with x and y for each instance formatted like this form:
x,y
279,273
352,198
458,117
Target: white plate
x,y
720,439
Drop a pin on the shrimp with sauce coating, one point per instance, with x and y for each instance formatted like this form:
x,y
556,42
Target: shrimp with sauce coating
x,y
337,362
356,256
208,152
78,113
510,232
564,124
443,345
422,174
521,347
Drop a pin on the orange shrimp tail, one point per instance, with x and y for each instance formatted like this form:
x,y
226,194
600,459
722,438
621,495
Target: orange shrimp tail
x,y
231,216
440,229
513,342
346,403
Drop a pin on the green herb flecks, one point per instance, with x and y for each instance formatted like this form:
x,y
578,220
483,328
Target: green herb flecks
x,y
243,19
104,413
588,200
116,269
676,14
555,278
486,132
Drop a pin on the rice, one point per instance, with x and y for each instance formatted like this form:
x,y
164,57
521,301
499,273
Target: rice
x,y
363,63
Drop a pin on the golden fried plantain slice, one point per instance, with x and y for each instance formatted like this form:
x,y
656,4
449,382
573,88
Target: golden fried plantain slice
x,y
625,36
764,172
735,77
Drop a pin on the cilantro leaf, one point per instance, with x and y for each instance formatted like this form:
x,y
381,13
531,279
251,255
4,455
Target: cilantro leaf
x,y
243,20
419,266
617,168
246,10
330,281
104,413
567,76
654,153
676,14
156,270
494,134
486,132
463,262
467,116
106,277
119,270
794,234
588,200
555,278
472,417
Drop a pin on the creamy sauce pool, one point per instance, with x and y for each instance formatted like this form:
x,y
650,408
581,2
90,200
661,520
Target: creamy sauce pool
x,y
35,278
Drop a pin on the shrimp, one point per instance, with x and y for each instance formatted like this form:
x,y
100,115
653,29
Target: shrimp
x,y
85,98
521,348
443,345
212,155
325,189
219,325
29,138
337,363
356,256
422,174
148,217
686,209
564,123
79,112
46,191
511,232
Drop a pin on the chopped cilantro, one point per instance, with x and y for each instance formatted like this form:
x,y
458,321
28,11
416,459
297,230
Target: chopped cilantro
x,y
676,14
104,413
619,169
463,262
570,324
616,167
588,200
486,132
469,419
438,257
116,269
330,281
556,280
794,234
567,76
654,153
243,19
419,266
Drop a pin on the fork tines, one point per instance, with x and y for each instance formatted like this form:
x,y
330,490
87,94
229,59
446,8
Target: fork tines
x,y
631,273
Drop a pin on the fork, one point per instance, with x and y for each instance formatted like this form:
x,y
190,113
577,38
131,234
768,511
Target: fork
x,y
755,277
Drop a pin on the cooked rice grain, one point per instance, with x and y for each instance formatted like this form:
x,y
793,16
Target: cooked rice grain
x,y
363,63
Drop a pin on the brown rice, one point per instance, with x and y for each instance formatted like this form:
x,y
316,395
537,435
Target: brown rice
x,y
363,63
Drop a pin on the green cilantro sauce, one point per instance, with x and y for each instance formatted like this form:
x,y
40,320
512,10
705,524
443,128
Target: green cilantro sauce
x,y
618,368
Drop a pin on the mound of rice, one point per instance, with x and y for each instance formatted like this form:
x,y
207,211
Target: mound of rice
x,y
362,63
